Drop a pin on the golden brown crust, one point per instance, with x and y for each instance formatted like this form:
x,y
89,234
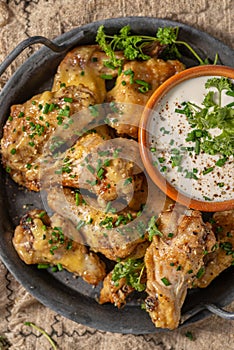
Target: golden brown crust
x,y
38,242
154,72
29,128
172,263
115,294
223,251
84,65
100,234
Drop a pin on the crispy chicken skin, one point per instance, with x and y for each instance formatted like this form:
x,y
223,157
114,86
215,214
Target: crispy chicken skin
x,y
115,294
172,263
222,256
31,124
102,233
36,242
94,164
97,227
154,72
84,65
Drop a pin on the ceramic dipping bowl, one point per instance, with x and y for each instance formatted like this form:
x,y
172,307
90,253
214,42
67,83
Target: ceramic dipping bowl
x,y
173,141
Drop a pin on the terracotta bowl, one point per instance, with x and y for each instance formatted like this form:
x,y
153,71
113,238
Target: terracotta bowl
x,y
185,83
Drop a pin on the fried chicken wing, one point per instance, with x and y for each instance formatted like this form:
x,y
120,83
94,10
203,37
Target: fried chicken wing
x,y
173,262
99,165
37,242
133,87
223,255
30,126
103,231
115,294
85,65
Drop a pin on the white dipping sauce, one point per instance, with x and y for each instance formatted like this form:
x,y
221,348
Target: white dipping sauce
x,y
168,130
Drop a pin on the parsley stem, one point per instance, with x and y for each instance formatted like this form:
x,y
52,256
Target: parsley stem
x,y
42,331
197,146
191,50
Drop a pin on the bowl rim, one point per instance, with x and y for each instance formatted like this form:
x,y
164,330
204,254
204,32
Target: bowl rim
x,y
158,179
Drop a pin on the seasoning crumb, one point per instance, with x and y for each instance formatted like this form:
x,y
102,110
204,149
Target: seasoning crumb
x,y
189,335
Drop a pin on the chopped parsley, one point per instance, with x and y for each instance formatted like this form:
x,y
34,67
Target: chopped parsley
x,y
165,281
212,115
152,228
132,270
128,181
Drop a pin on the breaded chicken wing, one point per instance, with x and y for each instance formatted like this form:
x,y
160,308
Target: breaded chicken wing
x,y
38,242
31,125
99,165
223,251
133,87
173,261
115,294
85,65
103,231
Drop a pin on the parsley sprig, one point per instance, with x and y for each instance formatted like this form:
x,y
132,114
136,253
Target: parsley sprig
x,y
135,46
152,228
42,331
132,270
212,114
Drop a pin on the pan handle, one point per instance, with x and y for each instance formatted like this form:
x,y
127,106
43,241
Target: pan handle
x,y
38,40
210,307
220,312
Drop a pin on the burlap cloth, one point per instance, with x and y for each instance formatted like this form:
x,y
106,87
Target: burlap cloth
x,y
20,19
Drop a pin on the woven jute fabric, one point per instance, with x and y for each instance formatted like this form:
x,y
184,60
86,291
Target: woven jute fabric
x,y
20,19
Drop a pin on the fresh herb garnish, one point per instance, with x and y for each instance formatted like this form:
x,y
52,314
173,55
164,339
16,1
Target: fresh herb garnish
x,y
132,270
42,331
201,272
210,116
152,228
128,181
94,110
165,281
135,46
189,335
43,266
227,247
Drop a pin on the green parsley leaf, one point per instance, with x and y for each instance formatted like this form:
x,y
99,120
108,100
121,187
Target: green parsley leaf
x,y
132,270
152,228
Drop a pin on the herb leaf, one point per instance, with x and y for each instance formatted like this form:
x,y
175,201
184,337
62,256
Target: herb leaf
x,y
212,115
42,331
153,228
135,46
131,270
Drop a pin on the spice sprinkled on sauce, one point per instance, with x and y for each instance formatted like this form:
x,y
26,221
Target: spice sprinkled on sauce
x,y
199,161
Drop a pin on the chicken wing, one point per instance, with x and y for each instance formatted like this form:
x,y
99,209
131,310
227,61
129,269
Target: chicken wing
x,y
115,294
38,242
99,165
173,261
133,87
85,65
31,125
107,232
223,251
